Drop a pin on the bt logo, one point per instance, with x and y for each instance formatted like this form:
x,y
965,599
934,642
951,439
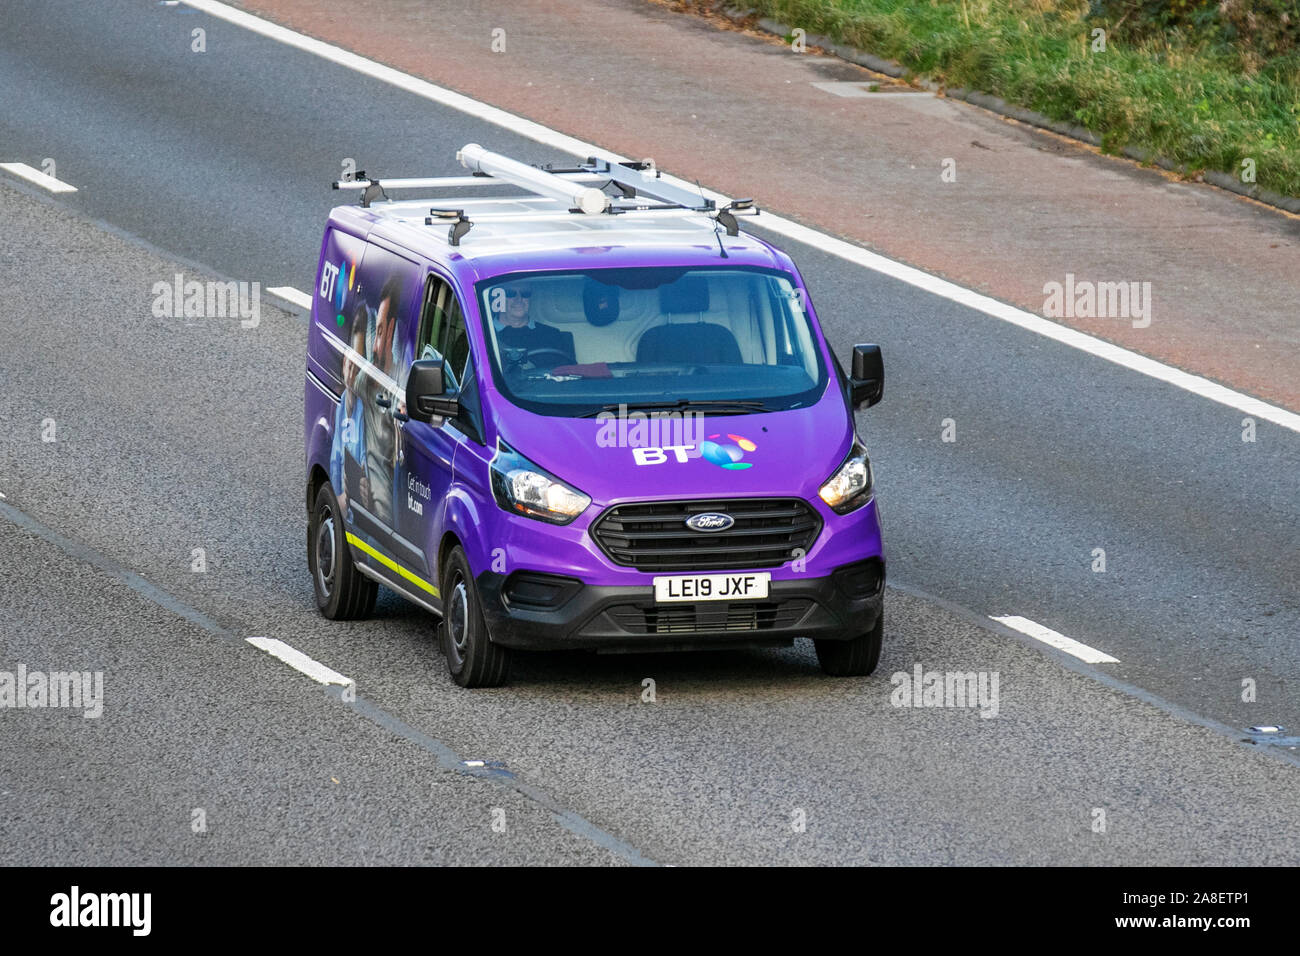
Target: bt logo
x,y
723,455
656,455
729,455
334,290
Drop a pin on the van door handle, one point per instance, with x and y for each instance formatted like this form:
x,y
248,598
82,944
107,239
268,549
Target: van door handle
x,y
383,401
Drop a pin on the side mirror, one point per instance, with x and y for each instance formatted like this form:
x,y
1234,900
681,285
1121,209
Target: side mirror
x,y
427,396
867,382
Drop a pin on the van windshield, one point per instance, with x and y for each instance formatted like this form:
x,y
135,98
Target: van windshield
x,y
723,339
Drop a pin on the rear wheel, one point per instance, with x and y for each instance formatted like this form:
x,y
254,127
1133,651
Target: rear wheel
x,y
856,657
472,658
342,592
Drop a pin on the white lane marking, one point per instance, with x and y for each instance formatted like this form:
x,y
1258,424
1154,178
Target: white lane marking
x,y
301,299
38,177
300,661
1195,384
1089,655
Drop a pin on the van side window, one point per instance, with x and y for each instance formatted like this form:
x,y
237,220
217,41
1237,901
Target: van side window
x,y
443,335
442,329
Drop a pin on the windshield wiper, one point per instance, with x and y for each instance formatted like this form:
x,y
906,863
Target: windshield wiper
x,y
739,406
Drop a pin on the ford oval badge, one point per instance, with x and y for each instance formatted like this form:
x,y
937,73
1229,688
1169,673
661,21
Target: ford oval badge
x,y
710,521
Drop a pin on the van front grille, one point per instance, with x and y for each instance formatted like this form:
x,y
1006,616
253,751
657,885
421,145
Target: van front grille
x,y
653,536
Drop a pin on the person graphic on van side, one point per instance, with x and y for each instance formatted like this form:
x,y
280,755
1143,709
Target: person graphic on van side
x,y
403,355
380,426
347,453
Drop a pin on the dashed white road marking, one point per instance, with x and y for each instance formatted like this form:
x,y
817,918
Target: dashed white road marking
x,y
1099,348
39,178
1089,655
290,294
300,661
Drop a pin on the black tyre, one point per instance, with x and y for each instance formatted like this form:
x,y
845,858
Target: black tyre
x,y
342,592
856,657
472,658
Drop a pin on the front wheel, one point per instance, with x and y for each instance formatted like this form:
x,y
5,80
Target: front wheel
x,y
472,658
342,592
856,657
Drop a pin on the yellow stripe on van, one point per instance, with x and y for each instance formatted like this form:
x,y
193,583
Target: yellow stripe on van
x,y
392,565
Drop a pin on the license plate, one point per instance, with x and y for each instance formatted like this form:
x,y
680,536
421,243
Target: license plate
x,y
711,587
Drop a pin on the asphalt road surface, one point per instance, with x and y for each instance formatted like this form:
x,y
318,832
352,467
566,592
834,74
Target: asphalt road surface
x,y
171,435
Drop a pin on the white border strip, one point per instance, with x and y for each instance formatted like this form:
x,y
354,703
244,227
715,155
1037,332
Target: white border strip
x,y
363,363
38,177
300,661
1099,348
1089,655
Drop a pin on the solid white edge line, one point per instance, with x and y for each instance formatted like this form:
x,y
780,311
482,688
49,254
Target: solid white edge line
x,y
860,90
299,661
39,178
1099,348
1089,655
290,294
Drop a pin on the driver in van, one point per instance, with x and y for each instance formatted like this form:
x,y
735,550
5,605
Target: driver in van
x,y
531,341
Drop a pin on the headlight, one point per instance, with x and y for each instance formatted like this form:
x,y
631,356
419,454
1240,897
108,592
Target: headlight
x,y
528,489
850,487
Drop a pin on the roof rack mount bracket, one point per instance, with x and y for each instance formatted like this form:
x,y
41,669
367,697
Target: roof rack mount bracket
x,y
459,224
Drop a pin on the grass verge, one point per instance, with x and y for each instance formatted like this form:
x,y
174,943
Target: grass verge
x,y
1210,84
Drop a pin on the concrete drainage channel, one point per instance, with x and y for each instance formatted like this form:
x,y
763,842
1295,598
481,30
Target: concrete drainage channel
x,y
1271,735
994,104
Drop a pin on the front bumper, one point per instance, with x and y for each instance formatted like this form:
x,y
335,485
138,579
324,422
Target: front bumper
x,y
534,611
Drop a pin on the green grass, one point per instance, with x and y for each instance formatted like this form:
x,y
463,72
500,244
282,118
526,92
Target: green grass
x,y
1176,78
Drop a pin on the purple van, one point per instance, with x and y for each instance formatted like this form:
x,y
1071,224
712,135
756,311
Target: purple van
x,y
587,413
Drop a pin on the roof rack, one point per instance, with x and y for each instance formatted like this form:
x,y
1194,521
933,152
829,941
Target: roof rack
x,y
641,192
